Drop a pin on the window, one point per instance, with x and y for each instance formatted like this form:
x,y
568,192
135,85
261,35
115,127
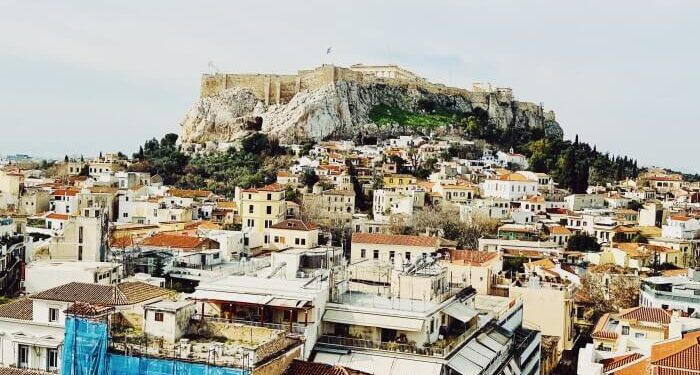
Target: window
x,y
269,196
277,239
268,223
363,253
80,253
22,356
375,254
296,241
158,317
250,209
640,335
269,210
53,314
51,359
392,253
408,256
625,330
126,214
80,234
303,241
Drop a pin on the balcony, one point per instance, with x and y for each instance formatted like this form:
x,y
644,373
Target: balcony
x,y
440,349
670,296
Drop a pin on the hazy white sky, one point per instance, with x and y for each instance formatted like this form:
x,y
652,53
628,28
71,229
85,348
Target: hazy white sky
x,y
84,76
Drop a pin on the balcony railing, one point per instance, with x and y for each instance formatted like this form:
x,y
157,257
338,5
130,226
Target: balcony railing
x,y
432,351
295,328
670,295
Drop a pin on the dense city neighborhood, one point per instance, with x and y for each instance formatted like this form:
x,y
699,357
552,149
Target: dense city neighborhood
x,y
415,254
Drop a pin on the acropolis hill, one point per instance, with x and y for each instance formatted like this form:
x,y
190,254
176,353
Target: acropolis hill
x,y
335,102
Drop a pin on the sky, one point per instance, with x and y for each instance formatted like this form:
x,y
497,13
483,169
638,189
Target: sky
x,y
80,77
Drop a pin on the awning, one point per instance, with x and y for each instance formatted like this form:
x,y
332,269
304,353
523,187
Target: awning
x,y
460,312
287,302
373,320
377,364
210,295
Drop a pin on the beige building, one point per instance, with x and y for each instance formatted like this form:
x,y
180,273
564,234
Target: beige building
x,y
33,202
548,307
293,233
80,238
330,207
473,267
637,328
261,208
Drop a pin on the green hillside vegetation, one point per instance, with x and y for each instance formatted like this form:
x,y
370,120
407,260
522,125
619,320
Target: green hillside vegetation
x,y
254,164
384,115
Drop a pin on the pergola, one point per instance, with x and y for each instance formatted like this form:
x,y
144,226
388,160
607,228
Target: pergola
x,y
264,305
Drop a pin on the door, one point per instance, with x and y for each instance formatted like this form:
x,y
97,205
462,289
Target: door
x,y
22,356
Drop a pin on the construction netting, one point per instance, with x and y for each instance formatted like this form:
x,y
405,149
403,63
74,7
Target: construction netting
x,y
85,353
84,348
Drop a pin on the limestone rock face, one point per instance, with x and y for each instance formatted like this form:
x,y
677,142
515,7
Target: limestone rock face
x,y
338,110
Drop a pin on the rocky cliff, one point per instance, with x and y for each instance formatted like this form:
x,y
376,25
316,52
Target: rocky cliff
x,y
341,109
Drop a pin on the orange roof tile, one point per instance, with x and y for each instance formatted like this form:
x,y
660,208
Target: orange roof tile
x,y
394,239
174,241
56,216
647,314
473,257
613,363
294,224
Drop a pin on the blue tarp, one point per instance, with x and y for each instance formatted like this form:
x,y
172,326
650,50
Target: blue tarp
x,y
85,353
84,348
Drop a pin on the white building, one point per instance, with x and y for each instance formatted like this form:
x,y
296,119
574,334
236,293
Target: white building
x,y
47,274
510,186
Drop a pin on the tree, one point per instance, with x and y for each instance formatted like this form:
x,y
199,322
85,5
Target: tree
x,y
65,159
583,242
158,267
309,178
291,194
608,292
446,219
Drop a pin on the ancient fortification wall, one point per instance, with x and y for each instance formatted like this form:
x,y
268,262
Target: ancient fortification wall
x,y
279,88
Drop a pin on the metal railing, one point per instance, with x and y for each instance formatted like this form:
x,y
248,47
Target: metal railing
x,y
670,295
431,351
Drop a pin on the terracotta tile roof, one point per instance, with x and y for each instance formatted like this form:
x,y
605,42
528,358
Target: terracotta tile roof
x,y
671,371
174,241
294,224
599,331
684,359
271,187
513,177
88,309
559,230
619,361
394,239
128,293
56,216
679,217
21,309
121,242
226,205
473,257
184,193
66,192
20,371
299,367
647,314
